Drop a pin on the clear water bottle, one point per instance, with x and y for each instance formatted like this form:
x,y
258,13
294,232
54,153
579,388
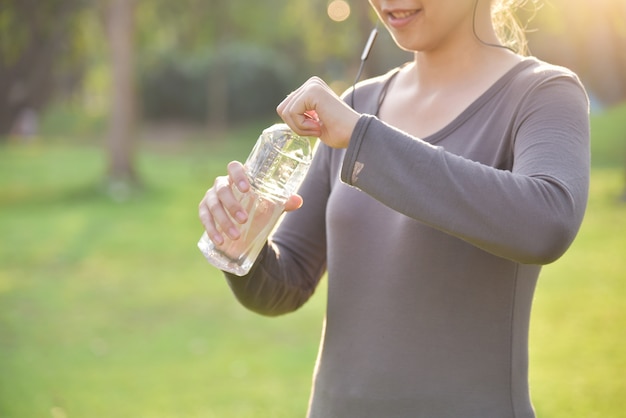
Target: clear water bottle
x,y
276,167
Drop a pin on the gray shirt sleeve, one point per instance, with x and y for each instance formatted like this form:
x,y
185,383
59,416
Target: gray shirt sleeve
x,y
529,213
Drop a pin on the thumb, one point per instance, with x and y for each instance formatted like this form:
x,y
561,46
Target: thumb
x,y
294,202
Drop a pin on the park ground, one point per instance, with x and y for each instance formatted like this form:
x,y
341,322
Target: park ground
x,y
107,308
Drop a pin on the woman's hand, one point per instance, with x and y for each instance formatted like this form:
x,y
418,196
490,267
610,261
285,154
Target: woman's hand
x,y
220,210
315,110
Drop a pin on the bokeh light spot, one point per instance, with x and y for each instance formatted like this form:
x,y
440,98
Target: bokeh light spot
x,y
338,10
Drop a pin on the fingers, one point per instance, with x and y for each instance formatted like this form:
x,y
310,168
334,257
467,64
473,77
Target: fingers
x,y
213,213
207,221
220,210
298,110
294,202
315,110
238,176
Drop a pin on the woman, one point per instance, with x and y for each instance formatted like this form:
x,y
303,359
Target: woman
x,y
432,206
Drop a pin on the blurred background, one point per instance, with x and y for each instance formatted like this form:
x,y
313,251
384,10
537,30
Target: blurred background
x,y
114,117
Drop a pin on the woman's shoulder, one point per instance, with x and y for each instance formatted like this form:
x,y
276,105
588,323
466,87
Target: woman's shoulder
x,y
534,78
537,70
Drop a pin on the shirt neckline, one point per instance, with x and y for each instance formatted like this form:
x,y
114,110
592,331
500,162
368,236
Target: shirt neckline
x,y
471,108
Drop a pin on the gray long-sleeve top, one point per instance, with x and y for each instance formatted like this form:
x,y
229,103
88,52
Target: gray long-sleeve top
x,y
433,247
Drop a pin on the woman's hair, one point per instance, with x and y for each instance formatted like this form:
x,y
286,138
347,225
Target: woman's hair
x,y
509,29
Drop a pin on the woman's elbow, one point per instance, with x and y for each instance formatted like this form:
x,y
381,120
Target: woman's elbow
x,y
551,240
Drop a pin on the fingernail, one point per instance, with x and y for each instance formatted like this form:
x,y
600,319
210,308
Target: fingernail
x,y
241,216
233,233
217,239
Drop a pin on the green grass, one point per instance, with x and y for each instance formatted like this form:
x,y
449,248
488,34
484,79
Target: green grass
x,y
608,132
578,362
107,309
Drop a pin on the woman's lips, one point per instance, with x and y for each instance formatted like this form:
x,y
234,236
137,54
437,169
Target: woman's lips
x,y
398,18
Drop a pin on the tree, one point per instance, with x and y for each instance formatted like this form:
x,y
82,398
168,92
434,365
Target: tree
x,y
123,113
36,46
218,81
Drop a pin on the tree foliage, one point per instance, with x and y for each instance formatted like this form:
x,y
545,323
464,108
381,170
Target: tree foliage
x,y
590,38
45,50
39,54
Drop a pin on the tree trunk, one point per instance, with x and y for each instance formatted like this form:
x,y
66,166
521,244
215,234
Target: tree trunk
x,y
120,31
217,93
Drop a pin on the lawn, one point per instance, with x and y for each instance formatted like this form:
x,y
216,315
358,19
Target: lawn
x,y
107,308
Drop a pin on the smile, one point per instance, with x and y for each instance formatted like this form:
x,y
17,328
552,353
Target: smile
x,y
402,14
400,18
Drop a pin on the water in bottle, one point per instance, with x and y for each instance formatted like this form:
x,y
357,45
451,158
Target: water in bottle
x,y
275,168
